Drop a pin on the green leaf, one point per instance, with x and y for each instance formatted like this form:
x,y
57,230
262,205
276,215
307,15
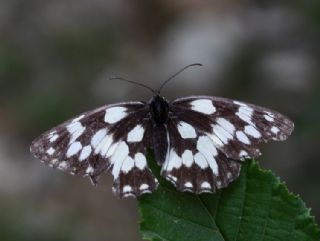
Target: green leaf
x,y
257,206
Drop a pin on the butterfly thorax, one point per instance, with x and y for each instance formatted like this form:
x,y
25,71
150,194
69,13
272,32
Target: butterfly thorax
x,y
159,109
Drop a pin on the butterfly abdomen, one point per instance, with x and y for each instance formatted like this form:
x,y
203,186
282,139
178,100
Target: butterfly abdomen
x,y
160,143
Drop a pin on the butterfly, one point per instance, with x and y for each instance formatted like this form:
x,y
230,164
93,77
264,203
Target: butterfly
x,y
199,141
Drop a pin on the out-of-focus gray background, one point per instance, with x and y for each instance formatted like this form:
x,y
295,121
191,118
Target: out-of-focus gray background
x,y
55,60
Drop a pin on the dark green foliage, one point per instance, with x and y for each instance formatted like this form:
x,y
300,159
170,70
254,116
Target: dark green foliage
x,y
255,207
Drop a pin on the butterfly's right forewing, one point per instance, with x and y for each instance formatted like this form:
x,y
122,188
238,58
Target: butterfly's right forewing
x,y
235,127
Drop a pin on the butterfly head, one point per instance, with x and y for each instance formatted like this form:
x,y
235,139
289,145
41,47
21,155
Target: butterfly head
x,y
159,109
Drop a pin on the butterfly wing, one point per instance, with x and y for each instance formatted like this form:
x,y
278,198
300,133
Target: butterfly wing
x,y
113,138
235,127
193,163
210,135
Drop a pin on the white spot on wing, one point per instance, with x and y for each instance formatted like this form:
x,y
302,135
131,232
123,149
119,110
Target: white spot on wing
x,y
128,195
204,106
114,114
215,139
89,170
106,144
50,151
119,155
140,161
111,150
127,164
76,130
269,117
54,138
242,137
214,166
208,150
227,125
101,142
78,118
187,158
200,160
73,149
229,175
205,185
63,165
171,178
275,130
165,164
97,138
85,153
245,114
205,145
239,103
136,134
174,162
127,189
51,134
186,130
144,186
243,153
222,134
251,131
54,162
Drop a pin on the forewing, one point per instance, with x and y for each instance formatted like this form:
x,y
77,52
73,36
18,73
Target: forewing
x,y
113,137
209,136
236,128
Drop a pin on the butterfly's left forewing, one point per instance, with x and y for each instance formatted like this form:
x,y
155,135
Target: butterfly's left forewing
x,y
112,137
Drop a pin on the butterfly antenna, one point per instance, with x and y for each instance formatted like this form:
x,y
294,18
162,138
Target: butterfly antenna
x,y
174,75
133,82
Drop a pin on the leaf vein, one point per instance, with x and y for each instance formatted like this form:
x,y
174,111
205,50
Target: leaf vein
x,y
212,217
189,221
243,204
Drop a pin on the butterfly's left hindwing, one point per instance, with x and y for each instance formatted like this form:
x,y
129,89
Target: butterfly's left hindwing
x,y
110,138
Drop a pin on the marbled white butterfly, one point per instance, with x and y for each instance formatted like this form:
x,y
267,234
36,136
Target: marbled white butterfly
x,y
199,141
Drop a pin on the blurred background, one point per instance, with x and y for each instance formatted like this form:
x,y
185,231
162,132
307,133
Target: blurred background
x,y
55,60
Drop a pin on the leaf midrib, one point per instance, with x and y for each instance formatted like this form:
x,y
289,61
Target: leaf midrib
x,y
206,209
243,204
211,216
268,217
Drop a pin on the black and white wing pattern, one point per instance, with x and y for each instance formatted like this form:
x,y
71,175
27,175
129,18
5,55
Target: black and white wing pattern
x,y
200,142
113,138
210,136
